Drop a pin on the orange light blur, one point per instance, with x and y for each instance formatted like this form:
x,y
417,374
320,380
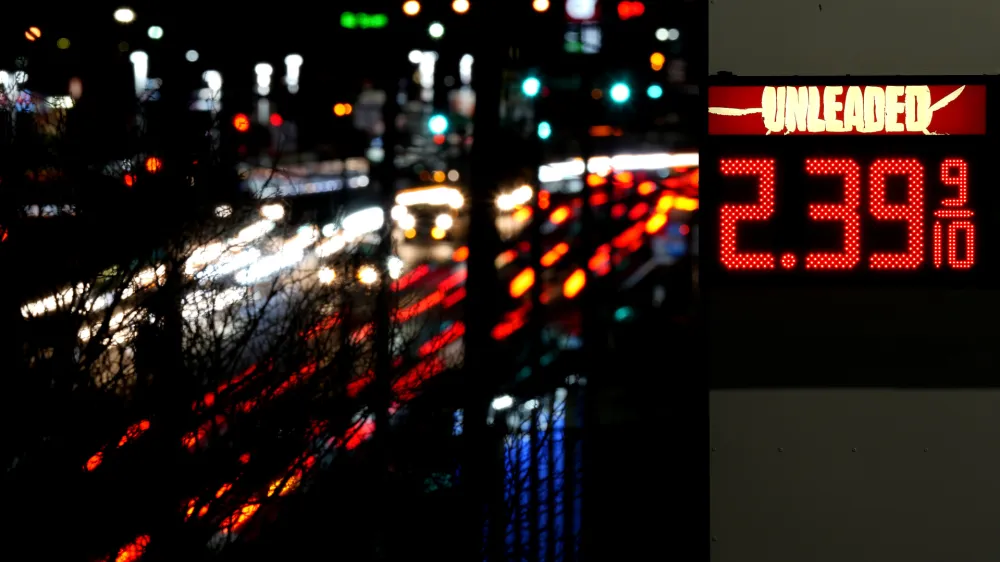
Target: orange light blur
x,y
411,8
560,215
543,200
340,110
574,283
35,31
624,177
656,60
655,223
129,180
686,204
439,176
594,180
505,258
522,214
555,254
541,5
461,254
638,211
437,233
348,108
522,283
665,204
94,462
598,199
596,94
646,187
133,550
29,36
460,6
153,164
241,122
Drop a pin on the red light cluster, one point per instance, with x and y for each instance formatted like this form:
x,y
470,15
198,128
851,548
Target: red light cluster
x,y
629,10
954,173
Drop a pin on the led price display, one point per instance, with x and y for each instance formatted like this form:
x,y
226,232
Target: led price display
x,y
848,182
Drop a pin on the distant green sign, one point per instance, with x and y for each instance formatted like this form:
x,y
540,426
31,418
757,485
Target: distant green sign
x,y
351,20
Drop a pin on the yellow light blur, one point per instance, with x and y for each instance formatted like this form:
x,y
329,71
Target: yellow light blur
x,y
460,6
327,275
574,283
410,233
367,274
657,60
62,43
437,233
439,176
540,5
411,8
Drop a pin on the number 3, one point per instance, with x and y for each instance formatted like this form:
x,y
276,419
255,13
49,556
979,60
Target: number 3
x,y
732,214
846,212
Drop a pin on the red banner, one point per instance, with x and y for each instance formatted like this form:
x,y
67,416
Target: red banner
x,y
847,110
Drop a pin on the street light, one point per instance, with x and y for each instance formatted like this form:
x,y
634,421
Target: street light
x,y
124,15
411,8
531,86
620,92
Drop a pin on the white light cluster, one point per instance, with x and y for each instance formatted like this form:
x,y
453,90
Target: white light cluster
x,y
604,165
293,65
514,199
435,196
264,72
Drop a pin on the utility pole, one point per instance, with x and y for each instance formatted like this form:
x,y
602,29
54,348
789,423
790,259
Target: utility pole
x,y
389,82
482,471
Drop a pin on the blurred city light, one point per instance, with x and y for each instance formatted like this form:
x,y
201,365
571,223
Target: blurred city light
x,y
655,91
436,30
124,15
155,32
657,60
620,92
241,122
62,43
273,212
153,164
367,274
276,120
264,71
191,56
342,109
32,33
293,66
541,5
531,87
416,56
629,10
673,34
140,67
544,130
351,20
460,6
438,124
465,69
662,34
411,8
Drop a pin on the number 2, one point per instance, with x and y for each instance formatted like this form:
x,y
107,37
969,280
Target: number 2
x,y
732,214
846,212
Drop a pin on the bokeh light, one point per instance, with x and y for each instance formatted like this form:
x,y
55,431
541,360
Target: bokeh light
x,y
241,122
541,5
411,8
124,15
155,32
460,6
436,30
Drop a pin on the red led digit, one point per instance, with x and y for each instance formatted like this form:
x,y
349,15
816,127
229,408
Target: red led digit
x,y
969,229
731,214
912,212
955,173
846,212
937,244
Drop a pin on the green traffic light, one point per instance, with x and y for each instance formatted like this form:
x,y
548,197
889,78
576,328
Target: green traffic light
x,y
438,124
620,92
544,130
531,87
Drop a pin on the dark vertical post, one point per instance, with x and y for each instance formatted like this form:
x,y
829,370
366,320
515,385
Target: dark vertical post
x,y
483,468
386,174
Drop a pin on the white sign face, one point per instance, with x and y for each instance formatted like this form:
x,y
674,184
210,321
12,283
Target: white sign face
x,y
581,10
858,37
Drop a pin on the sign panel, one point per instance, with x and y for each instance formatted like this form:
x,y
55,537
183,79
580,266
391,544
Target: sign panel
x,y
875,181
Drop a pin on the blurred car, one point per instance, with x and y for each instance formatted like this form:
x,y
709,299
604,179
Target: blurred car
x,y
430,214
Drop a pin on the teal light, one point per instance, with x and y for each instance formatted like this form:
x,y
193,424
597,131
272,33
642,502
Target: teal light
x,y
544,130
620,92
438,124
624,313
531,87
655,91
